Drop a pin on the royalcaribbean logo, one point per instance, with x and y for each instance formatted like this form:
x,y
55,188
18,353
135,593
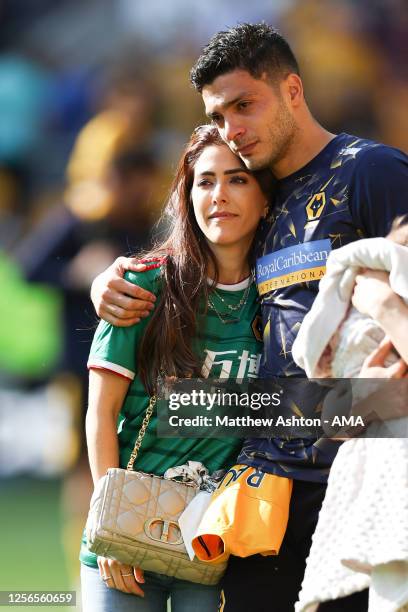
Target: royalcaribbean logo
x,y
296,264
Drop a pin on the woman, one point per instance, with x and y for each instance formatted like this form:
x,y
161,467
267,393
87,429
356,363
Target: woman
x,y
206,306
361,536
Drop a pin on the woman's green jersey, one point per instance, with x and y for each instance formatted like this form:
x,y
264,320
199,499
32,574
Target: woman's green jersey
x,y
226,350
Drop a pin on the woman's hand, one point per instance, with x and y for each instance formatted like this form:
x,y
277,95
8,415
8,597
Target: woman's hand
x,y
121,577
372,293
374,365
374,297
385,401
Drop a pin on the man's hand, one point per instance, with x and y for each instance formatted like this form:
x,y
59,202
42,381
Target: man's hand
x,y
119,576
118,301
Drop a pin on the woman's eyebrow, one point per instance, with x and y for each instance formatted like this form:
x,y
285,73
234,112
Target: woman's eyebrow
x,y
235,170
230,171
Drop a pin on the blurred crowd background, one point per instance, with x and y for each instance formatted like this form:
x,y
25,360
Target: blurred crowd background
x,y
95,105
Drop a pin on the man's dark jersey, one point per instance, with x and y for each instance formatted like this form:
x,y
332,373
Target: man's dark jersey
x,y
354,188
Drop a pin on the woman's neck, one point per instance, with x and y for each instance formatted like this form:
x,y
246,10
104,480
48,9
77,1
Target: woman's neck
x,y
232,262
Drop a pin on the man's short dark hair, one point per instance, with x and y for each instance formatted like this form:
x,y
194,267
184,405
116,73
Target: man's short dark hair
x,y
256,48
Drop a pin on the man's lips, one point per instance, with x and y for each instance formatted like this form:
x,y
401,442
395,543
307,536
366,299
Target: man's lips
x,y
245,149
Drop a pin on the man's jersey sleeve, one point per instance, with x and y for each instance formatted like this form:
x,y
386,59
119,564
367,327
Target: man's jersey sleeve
x,y
378,193
116,348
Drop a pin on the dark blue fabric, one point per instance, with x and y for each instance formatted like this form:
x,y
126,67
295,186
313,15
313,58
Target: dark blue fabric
x,y
354,188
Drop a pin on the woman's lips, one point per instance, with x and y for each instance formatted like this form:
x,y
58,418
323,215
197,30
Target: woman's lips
x,y
222,215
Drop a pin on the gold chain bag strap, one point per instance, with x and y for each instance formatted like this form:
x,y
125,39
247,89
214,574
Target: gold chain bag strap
x,y
133,518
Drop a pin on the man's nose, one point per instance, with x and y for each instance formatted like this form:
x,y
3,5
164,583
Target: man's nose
x,y
232,131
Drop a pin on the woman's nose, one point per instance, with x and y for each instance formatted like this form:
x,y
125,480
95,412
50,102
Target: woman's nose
x,y
219,194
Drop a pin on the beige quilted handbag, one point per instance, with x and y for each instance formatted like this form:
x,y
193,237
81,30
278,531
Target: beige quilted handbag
x,y
133,518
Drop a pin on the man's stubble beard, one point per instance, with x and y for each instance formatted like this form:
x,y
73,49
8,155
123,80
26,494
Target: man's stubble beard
x,y
280,139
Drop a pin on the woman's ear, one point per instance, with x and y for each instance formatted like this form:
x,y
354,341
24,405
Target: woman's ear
x,y
265,210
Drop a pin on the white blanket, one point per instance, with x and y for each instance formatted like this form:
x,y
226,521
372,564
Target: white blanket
x,y
335,291
361,539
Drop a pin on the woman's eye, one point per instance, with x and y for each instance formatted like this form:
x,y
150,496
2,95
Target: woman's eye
x,y
204,183
239,179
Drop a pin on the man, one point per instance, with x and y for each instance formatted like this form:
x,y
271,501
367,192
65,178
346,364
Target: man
x,y
331,190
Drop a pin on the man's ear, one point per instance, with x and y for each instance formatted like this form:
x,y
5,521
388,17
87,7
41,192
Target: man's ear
x,y
293,89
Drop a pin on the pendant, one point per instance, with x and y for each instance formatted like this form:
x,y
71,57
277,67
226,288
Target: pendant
x,y
228,321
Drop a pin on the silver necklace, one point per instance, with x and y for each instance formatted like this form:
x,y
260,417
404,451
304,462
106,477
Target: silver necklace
x,y
226,318
241,302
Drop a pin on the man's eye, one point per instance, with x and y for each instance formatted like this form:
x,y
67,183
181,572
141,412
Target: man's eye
x,y
216,119
242,105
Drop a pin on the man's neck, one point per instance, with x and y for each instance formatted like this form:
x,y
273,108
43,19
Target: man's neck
x,y
309,140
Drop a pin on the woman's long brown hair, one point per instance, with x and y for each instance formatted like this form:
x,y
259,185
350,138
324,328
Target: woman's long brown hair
x,y
166,346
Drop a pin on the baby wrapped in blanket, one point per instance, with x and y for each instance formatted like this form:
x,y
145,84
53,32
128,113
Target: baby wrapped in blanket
x,y
361,539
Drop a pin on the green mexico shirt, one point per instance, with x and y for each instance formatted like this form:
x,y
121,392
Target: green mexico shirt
x,y
226,351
